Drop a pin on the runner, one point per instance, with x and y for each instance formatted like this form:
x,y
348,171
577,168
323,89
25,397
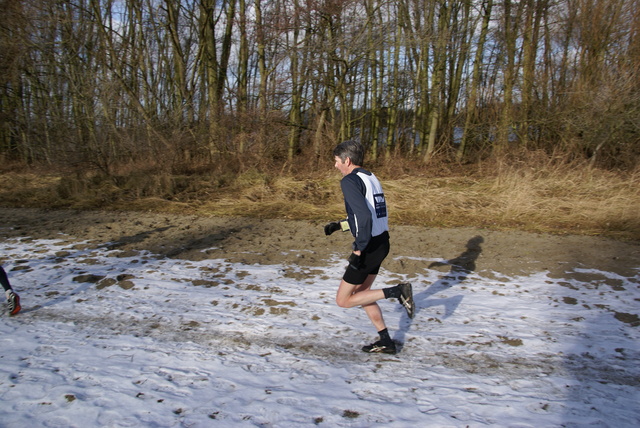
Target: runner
x,y
13,300
368,222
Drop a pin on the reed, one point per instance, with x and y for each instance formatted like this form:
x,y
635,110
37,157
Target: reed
x,y
550,197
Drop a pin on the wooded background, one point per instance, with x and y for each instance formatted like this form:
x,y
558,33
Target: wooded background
x,y
185,84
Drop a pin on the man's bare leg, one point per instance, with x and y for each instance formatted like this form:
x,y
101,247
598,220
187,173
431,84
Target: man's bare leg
x,y
351,295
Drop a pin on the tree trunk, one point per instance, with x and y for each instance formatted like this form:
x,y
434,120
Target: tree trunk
x,y
476,81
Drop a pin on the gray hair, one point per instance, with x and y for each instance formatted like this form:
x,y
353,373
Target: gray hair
x,y
350,149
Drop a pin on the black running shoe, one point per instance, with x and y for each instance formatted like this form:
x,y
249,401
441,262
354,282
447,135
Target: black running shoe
x,y
14,303
380,348
406,299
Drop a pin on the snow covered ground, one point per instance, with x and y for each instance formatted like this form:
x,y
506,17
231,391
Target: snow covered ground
x,y
113,339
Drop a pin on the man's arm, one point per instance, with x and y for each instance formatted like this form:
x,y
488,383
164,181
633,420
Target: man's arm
x,y
354,190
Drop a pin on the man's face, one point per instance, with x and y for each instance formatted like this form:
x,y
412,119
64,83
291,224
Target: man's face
x,y
342,166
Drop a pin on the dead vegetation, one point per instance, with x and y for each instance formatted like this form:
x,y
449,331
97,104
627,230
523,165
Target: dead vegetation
x,y
533,194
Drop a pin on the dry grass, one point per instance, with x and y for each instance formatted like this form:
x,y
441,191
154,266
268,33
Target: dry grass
x,y
545,198
580,202
586,201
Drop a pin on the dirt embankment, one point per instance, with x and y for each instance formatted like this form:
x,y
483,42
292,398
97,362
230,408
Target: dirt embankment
x,y
249,240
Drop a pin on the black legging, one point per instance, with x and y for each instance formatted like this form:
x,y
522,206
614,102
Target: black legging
x,y
4,280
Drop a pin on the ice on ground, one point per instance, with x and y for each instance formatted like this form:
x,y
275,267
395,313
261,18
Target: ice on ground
x,y
108,338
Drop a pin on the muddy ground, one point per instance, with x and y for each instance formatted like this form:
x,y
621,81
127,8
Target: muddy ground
x,y
268,241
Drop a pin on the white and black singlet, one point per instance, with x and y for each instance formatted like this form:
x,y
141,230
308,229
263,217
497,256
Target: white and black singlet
x,y
365,205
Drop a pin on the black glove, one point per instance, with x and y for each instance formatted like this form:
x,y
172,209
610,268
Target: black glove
x,y
356,261
332,227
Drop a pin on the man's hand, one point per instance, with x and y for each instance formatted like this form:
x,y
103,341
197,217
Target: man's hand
x,y
332,227
336,225
356,260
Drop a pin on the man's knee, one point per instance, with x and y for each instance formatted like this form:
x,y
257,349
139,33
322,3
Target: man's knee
x,y
342,302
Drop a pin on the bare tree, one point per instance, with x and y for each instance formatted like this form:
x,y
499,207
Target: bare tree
x,y
475,80
102,83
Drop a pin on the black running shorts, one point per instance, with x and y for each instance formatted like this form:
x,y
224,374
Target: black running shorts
x,y
371,259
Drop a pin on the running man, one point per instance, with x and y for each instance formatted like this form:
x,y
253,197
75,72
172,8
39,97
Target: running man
x,y
368,222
